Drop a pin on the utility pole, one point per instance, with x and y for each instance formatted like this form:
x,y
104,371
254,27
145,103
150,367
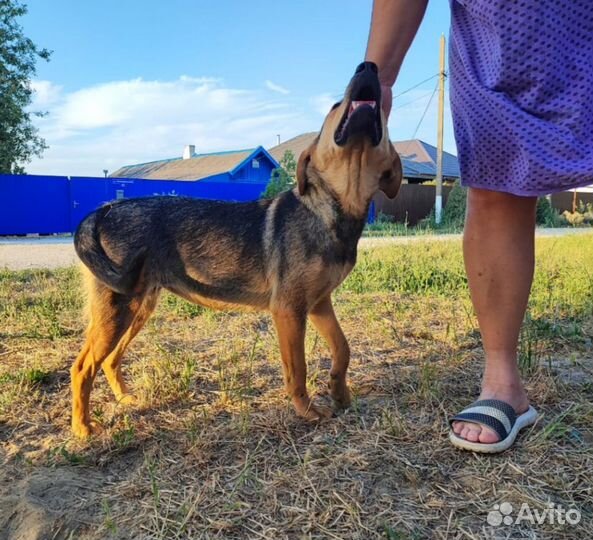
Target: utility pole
x,y
438,205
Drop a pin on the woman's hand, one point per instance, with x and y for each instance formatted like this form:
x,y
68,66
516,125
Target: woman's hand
x,y
386,100
393,26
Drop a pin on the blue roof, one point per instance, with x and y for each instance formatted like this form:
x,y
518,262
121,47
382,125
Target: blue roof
x,y
256,152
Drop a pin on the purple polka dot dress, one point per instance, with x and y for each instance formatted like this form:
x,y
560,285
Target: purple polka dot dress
x,y
521,85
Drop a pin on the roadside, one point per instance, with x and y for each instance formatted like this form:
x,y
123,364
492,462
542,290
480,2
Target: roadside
x,y
58,252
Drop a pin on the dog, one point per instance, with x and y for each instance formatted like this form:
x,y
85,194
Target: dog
x,y
285,255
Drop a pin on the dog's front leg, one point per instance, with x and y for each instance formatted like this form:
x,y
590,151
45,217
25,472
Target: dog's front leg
x,y
324,319
290,326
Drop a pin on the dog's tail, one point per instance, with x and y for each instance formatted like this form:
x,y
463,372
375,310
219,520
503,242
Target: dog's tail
x,y
87,244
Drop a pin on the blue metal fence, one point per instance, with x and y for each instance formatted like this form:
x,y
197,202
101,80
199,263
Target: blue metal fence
x,y
32,204
57,204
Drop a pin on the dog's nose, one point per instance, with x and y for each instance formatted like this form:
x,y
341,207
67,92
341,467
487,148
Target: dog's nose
x,y
366,66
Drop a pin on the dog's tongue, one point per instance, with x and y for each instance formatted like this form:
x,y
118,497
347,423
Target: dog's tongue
x,y
355,104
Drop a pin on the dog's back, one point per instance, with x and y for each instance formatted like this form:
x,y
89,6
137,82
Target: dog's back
x,y
235,253
168,239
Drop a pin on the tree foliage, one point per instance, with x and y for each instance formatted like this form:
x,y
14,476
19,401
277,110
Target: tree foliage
x,y
546,214
283,178
19,139
454,212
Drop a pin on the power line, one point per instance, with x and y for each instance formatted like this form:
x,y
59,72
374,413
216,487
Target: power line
x,y
412,101
415,86
425,110
421,118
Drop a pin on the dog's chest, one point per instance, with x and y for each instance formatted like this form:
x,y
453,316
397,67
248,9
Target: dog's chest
x,y
338,273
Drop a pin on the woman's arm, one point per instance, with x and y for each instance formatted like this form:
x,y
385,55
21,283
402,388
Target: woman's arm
x,y
393,26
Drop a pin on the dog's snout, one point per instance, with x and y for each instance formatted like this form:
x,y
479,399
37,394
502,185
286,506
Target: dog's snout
x,y
366,66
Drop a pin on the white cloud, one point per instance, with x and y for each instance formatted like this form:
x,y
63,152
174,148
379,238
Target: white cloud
x,y
276,87
45,93
123,122
322,103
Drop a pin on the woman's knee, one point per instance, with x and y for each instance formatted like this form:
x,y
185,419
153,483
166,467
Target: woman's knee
x,y
483,200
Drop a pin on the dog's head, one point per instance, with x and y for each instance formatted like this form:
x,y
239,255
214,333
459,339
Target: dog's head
x,y
352,155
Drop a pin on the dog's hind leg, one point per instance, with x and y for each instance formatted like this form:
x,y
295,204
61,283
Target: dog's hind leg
x,y
111,316
112,364
290,326
324,319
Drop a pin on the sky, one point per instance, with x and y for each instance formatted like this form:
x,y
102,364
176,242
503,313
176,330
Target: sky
x,y
131,81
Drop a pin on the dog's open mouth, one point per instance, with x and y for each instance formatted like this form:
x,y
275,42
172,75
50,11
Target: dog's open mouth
x,y
363,115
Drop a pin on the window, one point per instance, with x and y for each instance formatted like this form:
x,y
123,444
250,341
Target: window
x,y
119,194
255,163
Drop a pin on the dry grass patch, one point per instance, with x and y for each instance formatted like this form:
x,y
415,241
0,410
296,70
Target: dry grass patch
x,y
215,451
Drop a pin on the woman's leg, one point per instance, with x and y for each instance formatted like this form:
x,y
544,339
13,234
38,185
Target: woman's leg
x,y
498,246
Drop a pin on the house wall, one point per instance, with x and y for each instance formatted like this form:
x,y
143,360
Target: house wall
x,y
249,173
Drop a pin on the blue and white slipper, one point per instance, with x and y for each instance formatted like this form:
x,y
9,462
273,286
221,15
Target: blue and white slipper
x,y
496,415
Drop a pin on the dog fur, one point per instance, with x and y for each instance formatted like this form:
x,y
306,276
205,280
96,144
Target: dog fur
x,y
285,255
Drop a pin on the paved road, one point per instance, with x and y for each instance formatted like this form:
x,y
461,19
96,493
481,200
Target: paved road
x,y
57,252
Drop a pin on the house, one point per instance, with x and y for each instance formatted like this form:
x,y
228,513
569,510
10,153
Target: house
x,y
57,204
253,165
418,157
239,175
419,161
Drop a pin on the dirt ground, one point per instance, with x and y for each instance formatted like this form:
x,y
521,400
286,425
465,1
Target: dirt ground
x,y
214,449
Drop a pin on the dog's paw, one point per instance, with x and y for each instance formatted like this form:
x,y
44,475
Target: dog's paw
x,y
319,412
313,412
84,431
339,392
342,399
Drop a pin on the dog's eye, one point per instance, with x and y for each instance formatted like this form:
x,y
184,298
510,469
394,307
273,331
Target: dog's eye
x,y
335,105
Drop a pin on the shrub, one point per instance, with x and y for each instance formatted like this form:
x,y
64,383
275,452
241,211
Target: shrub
x,y
454,212
453,216
546,214
283,178
583,215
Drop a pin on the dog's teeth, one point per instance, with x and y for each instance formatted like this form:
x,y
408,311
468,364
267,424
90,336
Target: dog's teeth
x,y
356,104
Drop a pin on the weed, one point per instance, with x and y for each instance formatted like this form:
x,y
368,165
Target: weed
x,y
124,435
108,520
72,458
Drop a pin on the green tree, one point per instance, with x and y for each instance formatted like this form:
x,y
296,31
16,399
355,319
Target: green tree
x,y
283,178
546,214
19,140
454,212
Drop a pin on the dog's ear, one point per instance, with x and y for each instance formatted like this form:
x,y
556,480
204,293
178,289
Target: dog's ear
x,y
391,179
301,170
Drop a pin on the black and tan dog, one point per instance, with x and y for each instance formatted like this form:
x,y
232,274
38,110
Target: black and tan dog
x,y
285,255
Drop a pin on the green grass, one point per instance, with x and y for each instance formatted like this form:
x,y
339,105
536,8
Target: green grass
x,y
562,287
214,450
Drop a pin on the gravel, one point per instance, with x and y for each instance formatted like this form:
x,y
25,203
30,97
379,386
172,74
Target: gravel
x,y
58,252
